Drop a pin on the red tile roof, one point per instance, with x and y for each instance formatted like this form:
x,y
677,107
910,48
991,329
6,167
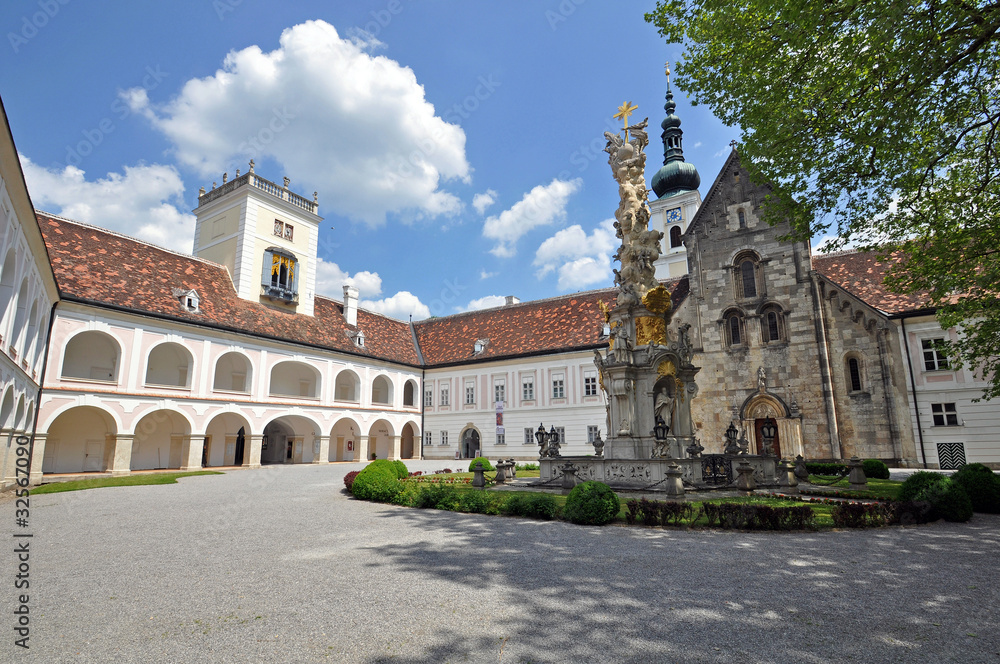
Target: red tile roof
x,y
104,268
568,322
862,274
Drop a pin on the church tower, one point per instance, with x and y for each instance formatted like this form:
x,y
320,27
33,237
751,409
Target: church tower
x,y
677,198
265,235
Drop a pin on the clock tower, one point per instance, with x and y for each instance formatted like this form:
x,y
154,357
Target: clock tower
x,y
676,187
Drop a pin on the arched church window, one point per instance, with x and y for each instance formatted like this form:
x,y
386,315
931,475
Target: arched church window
x,y
772,324
743,218
734,332
675,237
854,374
748,278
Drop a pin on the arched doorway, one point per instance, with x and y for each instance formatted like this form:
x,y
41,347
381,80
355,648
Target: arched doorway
x,y
225,442
406,442
79,440
765,406
380,437
344,439
289,439
159,441
470,443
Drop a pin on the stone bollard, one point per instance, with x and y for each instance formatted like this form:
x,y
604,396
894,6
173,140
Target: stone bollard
x,y
478,480
569,475
800,469
674,484
501,476
857,478
513,468
745,481
786,477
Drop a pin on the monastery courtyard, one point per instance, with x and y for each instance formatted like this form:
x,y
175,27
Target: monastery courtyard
x,y
279,565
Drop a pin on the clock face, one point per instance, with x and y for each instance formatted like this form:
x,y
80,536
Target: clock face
x,y
673,215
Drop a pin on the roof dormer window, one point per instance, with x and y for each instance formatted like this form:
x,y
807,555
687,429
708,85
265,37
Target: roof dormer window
x,y
480,346
359,339
188,299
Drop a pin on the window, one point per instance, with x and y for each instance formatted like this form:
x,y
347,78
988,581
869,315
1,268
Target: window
x,y
528,388
428,439
675,237
499,391
429,398
733,333
444,396
529,436
562,435
470,394
743,218
854,374
592,433
934,359
748,279
501,439
590,383
280,278
558,388
444,437
945,414
772,325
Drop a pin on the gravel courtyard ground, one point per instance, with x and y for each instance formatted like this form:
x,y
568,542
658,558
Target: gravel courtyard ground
x,y
278,565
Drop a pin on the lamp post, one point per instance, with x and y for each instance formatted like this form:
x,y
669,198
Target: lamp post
x,y
768,431
661,429
548,443
732,447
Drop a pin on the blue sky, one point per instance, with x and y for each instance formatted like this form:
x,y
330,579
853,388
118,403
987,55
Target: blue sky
x,y
456,146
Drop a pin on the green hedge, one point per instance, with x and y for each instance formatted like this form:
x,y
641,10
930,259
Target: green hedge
x,y
487,466
591,503
875,469
982,485
532,505
946,498
377,482
827,469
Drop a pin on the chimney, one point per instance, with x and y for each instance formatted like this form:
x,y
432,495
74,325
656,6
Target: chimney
x,y
511,299
351,305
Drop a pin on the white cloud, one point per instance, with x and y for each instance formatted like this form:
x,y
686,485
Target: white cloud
x,y
484,200
354,126
483,274
541,206
330,281
723,152
487,302
579,259
697,145
144,202
401,306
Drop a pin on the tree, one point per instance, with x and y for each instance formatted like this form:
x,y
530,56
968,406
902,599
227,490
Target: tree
x,y
875,121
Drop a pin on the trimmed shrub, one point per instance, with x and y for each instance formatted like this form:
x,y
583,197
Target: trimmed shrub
x,y
402,472
982,485
526,466
875,469
591,503
948,499
916,483
910,512
349,479
531,505
475,501
376,482
757,517
861,515
828,469
437,497
487,466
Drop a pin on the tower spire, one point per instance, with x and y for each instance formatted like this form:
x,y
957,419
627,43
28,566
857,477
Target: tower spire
x,y
676,175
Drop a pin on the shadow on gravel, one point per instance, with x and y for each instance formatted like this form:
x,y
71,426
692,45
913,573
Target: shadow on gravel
x,y
923,593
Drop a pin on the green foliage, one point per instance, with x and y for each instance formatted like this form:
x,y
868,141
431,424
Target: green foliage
x,y
526,466
982,485
437,497
948,500
861,515
487,466
349,479
591,503
878,125
531,505
377,482
476,501
402,472
916,483
828,469
757,516
875,469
